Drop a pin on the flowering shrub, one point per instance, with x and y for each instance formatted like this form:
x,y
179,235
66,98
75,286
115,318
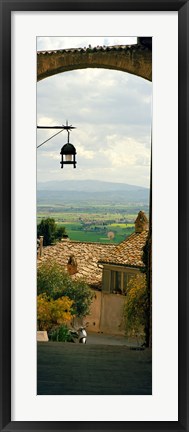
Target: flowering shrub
x,y
51,313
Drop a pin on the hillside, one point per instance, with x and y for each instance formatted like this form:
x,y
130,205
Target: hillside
x,y
90,190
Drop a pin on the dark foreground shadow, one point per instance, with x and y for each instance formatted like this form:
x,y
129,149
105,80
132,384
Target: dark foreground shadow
x,y
75,369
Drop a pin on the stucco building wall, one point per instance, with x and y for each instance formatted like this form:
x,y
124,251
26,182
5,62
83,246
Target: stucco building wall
x,y
107,313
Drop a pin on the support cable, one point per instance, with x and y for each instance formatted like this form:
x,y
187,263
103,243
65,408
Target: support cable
x,y
50,138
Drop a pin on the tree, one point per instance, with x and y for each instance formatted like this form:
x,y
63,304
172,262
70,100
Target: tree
x,y
138,310
147,260
60,232
53,281
50,232
136,306
81,295
111,235
52,313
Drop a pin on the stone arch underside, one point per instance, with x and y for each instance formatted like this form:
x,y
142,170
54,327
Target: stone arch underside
x,y
134,59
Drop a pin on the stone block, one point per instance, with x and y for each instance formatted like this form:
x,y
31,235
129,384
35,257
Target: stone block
x,y
42,336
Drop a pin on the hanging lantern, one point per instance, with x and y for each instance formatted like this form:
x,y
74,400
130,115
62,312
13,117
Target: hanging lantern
x,y
68,154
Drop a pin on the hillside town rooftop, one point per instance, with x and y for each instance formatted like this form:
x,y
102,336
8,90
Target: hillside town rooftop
x,y
128,253
85,260
84,255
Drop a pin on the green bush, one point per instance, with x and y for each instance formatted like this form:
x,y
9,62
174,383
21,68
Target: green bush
x,y
60,334
55,282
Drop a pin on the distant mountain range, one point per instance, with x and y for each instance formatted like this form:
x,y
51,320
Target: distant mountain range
x,y
87,186
82,190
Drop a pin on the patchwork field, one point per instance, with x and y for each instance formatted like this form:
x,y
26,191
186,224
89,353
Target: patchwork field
x,y
93,223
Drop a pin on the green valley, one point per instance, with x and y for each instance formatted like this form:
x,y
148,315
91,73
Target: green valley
x,y
90,223
91,210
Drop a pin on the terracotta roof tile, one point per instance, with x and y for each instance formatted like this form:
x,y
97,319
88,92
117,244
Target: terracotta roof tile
x,y
86,254
89,255
127,253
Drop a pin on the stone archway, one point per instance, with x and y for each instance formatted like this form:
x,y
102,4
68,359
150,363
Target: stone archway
x,y
134,59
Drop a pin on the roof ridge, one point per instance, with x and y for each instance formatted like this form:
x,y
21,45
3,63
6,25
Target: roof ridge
x,y
86,242
81,242
131,235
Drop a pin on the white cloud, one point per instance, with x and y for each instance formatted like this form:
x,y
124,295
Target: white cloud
x,y
126,149
51,155
86,154
53,43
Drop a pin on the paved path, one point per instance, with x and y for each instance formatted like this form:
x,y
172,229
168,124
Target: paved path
x,y
104,339
104,366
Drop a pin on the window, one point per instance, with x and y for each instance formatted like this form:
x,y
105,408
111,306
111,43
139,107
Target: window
x,y
119,281
115,282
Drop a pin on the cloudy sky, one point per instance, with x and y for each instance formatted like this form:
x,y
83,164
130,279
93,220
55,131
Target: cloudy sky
x,y
111,111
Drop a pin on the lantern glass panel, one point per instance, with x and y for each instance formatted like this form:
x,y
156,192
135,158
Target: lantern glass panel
x,y
68,158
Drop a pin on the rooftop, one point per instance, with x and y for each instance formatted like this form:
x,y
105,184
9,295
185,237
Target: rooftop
x,y
87,256
82,260
127,253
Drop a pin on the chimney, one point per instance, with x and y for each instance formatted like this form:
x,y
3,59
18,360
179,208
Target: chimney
x,y
72,265
141,223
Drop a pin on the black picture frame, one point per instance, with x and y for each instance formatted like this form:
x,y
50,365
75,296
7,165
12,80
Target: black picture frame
x,y
6,7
